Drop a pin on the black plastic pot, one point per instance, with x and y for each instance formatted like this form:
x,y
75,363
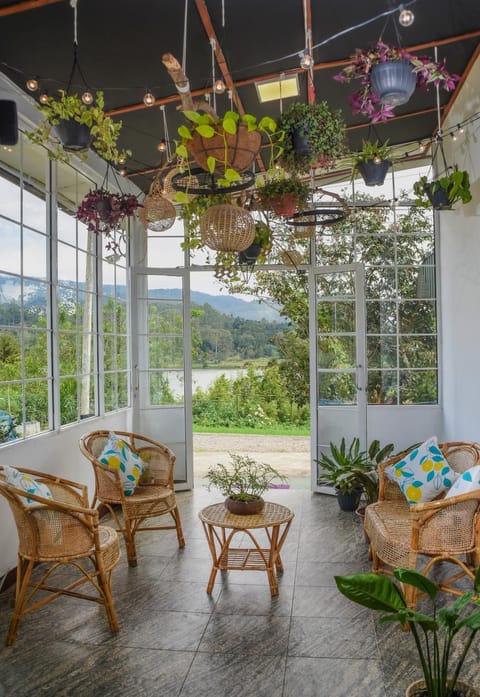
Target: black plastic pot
x,y
438,196
250,254
374,173
75,136
349,500
393,81
301,142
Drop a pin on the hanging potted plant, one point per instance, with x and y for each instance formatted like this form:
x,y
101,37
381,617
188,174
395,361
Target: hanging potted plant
x,y
445,191
283,195
77,127
260,245
103,212
388,76
226,145
372,162
313,136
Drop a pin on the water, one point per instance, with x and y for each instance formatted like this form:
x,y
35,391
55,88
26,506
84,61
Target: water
x,y
202,377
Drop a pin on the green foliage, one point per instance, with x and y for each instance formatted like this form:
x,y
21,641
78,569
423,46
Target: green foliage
x,y
244,479
104,130
442,638
326,135
456,184
278,186
371,151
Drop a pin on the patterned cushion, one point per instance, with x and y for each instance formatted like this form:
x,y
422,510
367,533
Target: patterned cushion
x,y
467,482
423,474
118,455
27,483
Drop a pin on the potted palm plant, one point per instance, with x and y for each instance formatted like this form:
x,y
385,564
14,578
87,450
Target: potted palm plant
x,y
445,191
388,76
77,126
313,136
442,638
372,162
243,483
283,194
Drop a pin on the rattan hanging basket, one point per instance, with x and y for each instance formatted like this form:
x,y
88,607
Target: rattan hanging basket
x,y
291,257
158,213
227,228
169,192
304,227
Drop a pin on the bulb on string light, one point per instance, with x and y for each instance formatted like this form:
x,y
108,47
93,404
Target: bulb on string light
x,y
454,136
32,84
306,60
421,147
43,98
149,98
122,171
460,128
277,164
377,159
220,87
406,17
121,160
162,146
87,98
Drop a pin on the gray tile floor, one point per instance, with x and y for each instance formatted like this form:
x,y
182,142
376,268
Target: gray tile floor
x,y
177,641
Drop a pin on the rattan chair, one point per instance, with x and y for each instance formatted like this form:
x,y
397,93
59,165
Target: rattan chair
x,y
421,535
147,501
56,532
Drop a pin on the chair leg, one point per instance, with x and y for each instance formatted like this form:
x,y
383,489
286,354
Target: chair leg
x,y
411,595
129,537
24,573
178,524
104,582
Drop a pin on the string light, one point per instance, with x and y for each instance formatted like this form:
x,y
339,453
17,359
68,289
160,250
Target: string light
x,y
460,129
162,146
220,87
122,171
406,17
149,98
43,98
421,147
306,60
32,84
121,161
454,136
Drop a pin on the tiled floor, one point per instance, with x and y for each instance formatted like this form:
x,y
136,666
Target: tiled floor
x,y
177,641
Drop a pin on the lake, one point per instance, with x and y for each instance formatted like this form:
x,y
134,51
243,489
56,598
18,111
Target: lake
x,y
202,377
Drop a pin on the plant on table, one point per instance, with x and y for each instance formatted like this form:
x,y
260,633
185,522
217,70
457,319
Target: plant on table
x,y
442,638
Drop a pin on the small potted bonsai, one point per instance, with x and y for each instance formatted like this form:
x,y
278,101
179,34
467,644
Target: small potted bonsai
x,y
372,162
243,483
103,212
78,126
313,136
442,638
284,194
444,192
388,76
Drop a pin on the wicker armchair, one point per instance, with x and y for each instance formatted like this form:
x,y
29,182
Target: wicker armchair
x,y
421,535
149,501
62,530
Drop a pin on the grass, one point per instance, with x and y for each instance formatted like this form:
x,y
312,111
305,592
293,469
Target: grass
x,y
277,430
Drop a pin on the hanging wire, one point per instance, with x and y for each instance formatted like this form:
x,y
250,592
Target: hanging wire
x,y
282,75
184,52
213,44
75,64
223,13
165,132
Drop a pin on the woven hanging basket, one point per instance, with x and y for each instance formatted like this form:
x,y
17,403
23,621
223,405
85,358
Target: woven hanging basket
x,y
169,192
304,226
158,213
291,257
227,228
239,152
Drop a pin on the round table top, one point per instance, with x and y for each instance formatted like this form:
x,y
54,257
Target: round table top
x,y
272,514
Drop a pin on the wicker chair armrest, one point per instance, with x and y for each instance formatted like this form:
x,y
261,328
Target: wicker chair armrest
x,y
429,508
80,512
388,490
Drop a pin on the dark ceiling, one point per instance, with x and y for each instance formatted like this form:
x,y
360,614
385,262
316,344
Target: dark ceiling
x,y
121,43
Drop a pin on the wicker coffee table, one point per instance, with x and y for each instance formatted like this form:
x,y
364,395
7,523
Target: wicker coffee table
x,y
221,526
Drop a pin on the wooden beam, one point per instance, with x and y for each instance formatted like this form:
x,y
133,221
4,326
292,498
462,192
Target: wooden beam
x,y
24,6
420,112
464,76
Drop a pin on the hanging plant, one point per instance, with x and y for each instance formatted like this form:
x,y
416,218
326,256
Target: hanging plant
x,y
62,113
283,194
372,162
421,72
104,212
442,193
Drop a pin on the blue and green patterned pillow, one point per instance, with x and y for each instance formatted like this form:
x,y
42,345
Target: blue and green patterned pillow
x,y
118,455
423,474
21,480
468,481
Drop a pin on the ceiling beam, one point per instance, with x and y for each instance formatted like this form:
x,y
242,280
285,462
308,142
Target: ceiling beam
x,y
398,117
17,7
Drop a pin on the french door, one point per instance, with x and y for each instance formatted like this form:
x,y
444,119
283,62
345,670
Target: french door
x,y
337,359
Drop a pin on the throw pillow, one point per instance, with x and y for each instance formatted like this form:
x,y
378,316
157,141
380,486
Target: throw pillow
x,y
468,481
26,482
118,455
423,473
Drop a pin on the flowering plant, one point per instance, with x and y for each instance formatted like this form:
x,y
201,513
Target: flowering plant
x,y
103,212
365,101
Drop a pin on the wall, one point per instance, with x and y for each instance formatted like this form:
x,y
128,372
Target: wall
x,y
460,276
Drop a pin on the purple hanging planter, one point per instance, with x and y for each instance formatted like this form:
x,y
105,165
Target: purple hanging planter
x,y
393,81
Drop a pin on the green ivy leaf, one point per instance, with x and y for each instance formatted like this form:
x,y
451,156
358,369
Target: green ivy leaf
x,y
184,132
182,151
231,175
181,197
211,164
229,125
193,116
268,124
205,130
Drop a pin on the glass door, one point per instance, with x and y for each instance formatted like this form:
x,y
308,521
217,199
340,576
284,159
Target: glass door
x,y
337,366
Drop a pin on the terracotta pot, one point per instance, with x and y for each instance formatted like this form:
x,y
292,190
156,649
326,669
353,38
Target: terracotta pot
x,y
244,507
284,206
242,147
393,81
75,136
462,689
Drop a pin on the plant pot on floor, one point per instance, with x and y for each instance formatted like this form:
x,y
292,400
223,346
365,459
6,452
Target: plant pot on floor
x,y
74,136
374,173
393,81
252,507
348,500
462,689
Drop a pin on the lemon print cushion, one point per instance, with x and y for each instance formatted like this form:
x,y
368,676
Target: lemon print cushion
x,y
468,481
118,455
26,482
423,473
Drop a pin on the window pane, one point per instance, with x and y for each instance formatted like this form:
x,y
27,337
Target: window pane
x,y
10,241
67,353
336,352
34,211
336,316
382,351
166,387
418,387
10,355
35,348
68,400
417,317
34,254
418,352
337,388
36,406
382,387
381,317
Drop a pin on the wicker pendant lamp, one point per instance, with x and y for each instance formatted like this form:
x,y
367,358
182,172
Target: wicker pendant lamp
x,y
158,213
227,228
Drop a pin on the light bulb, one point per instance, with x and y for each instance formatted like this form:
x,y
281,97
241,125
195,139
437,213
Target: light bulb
x,y
32,84
306,61
460,129
421,147
406,18
277,164
220,87
87,98
148,99
162,146
377,159
121,160
43,99
454,136
122,171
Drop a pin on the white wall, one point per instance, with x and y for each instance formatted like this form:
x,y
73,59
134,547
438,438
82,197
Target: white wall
x,y
460,276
